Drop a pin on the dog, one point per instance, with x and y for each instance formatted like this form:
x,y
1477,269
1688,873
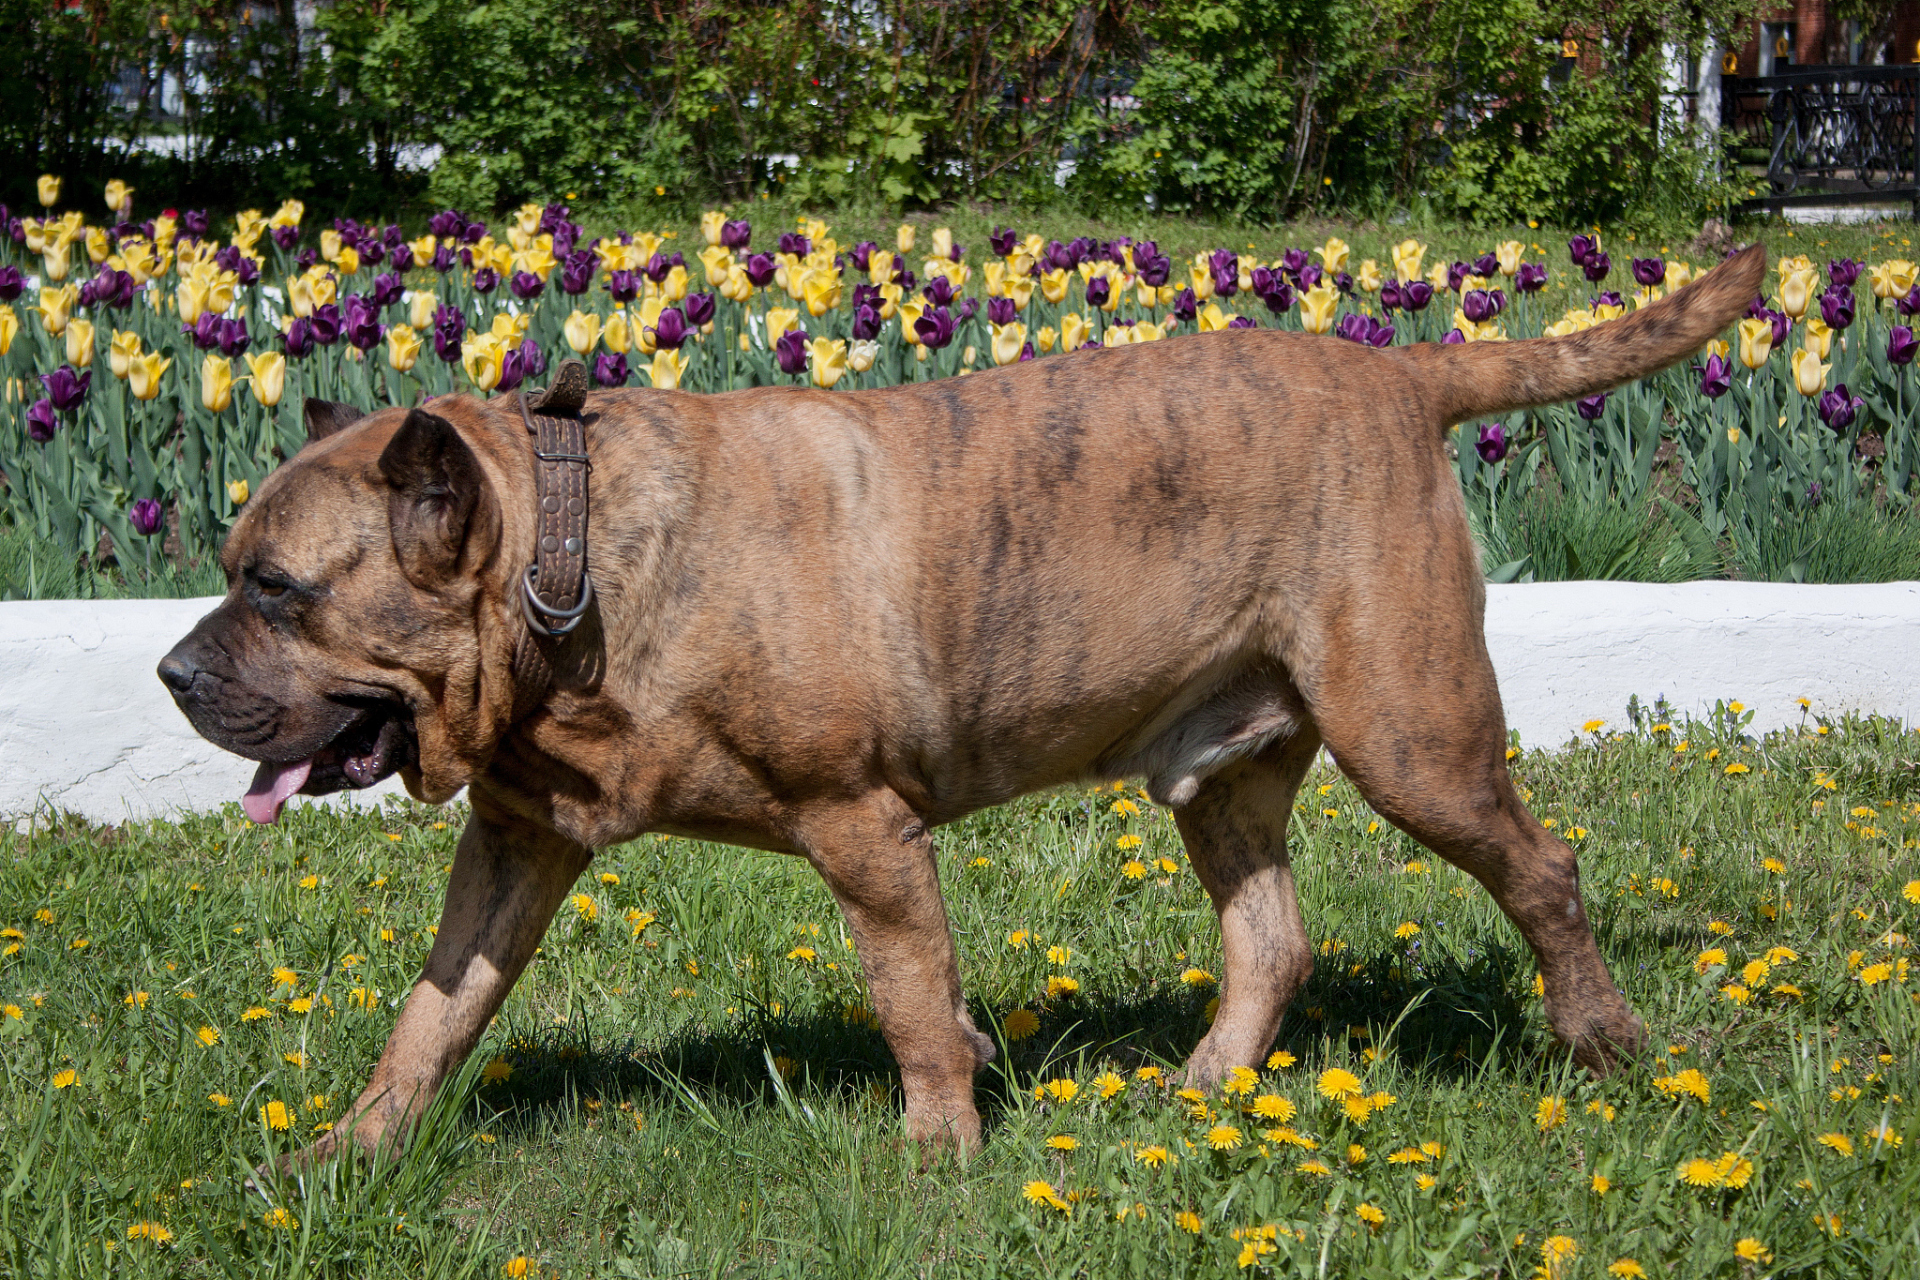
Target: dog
x,y
824,624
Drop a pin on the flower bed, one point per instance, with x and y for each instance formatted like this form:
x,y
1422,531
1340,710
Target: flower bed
x,y
209,343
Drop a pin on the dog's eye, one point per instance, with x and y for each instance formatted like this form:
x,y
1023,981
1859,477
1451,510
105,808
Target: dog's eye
x,y
268,588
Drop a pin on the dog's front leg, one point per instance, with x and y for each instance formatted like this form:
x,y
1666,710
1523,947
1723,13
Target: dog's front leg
x,y
507,882
877,858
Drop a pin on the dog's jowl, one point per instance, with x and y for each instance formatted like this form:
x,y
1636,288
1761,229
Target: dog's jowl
x,y
826,623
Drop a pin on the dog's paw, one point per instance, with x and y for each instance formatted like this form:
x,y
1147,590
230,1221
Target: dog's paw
x,y
1608,1043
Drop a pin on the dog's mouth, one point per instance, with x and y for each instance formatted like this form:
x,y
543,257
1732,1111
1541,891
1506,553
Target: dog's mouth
x,y
375,744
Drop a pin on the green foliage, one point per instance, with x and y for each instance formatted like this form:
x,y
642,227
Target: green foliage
x,y
1836,541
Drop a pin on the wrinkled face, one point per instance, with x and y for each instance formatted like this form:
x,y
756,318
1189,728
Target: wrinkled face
x,y
349,614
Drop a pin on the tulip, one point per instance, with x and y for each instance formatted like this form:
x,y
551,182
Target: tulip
x,y
55,259
143,375
676,283
216,383
122,349
1894,278
297,341
1415,295
1316,309
12,283
713,224
42,422
736,235
1819,339
119,197
204,332
582,331
80,343
1836,308
1074,331
49,190
267,375
1333,254
1580,248
1756,342
1478,306
348,263
610,369
1492,445
1837,407
1716,376
1407,256
485,280
1507,255
55,307
934,328
1901,345
1649,271
1796,293
1591,407
403,347
360,323
670,330
828,357
238,492
1309,276
483,358
790,350
618,334
146,516
1842,272
1212,319
1809,375
1596,266
1100,290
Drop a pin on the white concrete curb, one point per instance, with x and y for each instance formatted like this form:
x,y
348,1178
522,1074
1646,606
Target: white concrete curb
x,y
88,727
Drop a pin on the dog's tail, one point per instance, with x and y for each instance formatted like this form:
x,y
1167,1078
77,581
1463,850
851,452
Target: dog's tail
x,y
1482,379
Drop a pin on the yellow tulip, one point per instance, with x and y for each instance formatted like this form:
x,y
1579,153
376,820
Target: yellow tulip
x,y
1407,256
1819,339
248,226
1893,278
617,333
1316,308
778,321
1718,347
300,296
98,247
582,331
288,214
880,267
421,304
55,306
49,190
267,375
348,261
1020,292
79,342
1756,342
481,357
1053,286
423,249
330,245
1607,311
216,382
861,355
1509,252
1679,275
1333,254
1202,282
403,347
1809,375
55,258
1437,276
1074,332
1007,341
190,298
993,278
675,285
828,356
718,260
164,229
238,491
1147,331
143,375
1146,295
890,295
1796,291
1368,276
1560,328
943,243
904,237
1044,340
822,292
1786,266
712,223
666,369
511,328
9,329
1212,319
1020,264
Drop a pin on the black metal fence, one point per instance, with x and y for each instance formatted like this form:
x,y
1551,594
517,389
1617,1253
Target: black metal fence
x,y
1827,135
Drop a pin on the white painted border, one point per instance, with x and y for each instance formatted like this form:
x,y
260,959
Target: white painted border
x,y
86,726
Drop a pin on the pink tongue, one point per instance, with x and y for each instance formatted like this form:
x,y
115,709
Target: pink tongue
x,y
272,784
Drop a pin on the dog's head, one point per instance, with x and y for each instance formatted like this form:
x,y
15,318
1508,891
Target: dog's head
x,y
349,645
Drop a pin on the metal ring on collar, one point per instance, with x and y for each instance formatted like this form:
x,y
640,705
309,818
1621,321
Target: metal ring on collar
x,y
531,604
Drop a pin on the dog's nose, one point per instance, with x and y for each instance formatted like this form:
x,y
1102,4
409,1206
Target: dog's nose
x,y
177,673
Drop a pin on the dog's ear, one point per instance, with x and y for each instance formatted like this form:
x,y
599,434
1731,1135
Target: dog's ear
x,y
324,417
439,501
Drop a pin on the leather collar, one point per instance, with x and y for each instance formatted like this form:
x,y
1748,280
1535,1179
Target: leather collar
x,y
557,590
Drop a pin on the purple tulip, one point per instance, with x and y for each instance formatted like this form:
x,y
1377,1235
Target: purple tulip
x,y
1343,281
447,224
285,237
306,259
1591,407
1279,299
1838,407
968,309
934,327
1226,272
576,273
1607,298
66,387
526,286
372,252
736,234
1454,338
1477,306
1099,289
485,279
1596,266
1531,277
1457,275
939,292
1003,241
146,516
956,252
1580,248
1650,271
387,289
1390,296
12,282
623,285
360,322
1782,327
474,232
671,330
205,332
234,338
1836,308
1365,330
1294,261
402,257
41,421
1026,352
1492,445
1185,305
863,254
657,267
1242,322
1909,305
796,244
1058,257
1415,295
1716,376
610,369
866,323
1262,279
760,268
1155,269
791,351
513,371
326,324
699,308
1843,271
533,358
119,292
553,217
1901,345
1310,275
297,341
1485,265
1000,311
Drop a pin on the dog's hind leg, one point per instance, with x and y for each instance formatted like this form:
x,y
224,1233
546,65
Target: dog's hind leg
x,y
877,858
1407,702
1235,829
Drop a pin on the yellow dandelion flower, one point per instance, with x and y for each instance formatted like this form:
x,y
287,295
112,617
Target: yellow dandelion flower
x,y
1223,1137
1128,841
1425,1181
1358,1109
1337,1082
1737,767
1735,1169
1167,866
256,1012
1134,869
1152,1157
1279,1060
277,1115
65,1079
1271,1106
1018,939
805,955
1126,808
1061,1090
1058,955
1827,1222
1109,1083
1062,1142
295,1058
1356,1154
280,1218
219,1099
1188,1221
1875,974
1839,1142
1314,1168
1020,1024
1627,1269
1708,959
1883,1134
495,1071
310,882
1197,978
207,1036
1148,1074
1407,929
518,1268
1719,928
1751,1250
1371,1214
1689,1083
1700,1172
1550,1114
1408,1155
1060,985
153,1231
1912,891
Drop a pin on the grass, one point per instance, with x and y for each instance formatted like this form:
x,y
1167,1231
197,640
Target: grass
x,y
686,1081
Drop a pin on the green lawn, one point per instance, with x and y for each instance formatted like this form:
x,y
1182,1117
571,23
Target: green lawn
x,y
632,1118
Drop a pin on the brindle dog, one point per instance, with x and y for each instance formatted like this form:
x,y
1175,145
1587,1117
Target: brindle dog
x,y
829,623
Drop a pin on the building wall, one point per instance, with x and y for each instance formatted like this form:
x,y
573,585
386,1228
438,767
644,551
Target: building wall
x,y
1812,26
